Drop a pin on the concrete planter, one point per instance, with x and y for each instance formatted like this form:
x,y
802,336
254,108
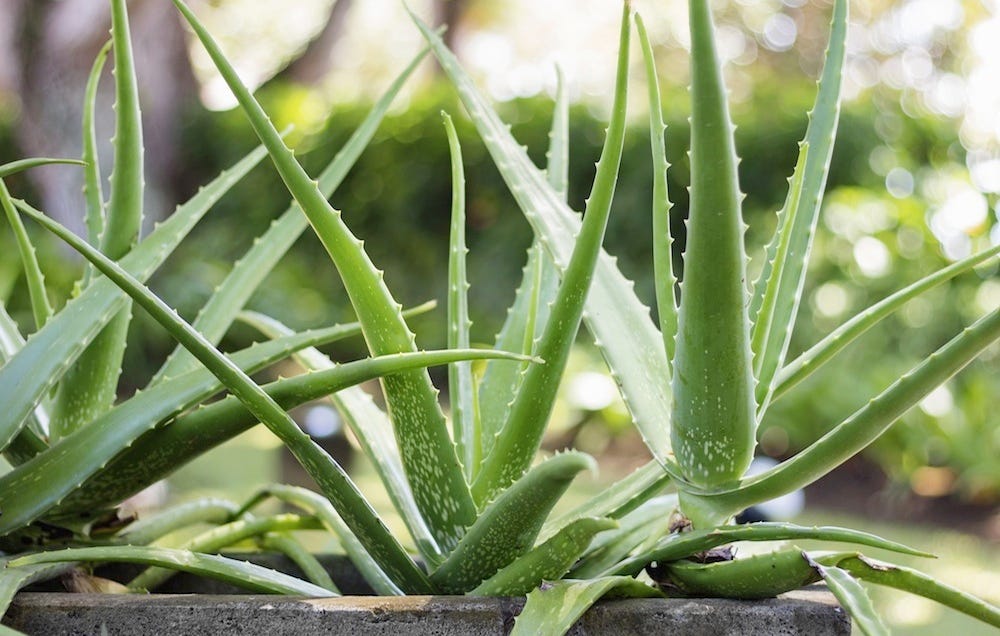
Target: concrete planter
x,y
207,610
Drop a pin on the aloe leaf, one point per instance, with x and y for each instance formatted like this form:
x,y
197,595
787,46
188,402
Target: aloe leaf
x,y
866,424
158,453
533,298
90,385
316,505
515,448
233,293
221,537
373,431
28,376
13,579
680,546
616,500
207,510
292,548
614,315
714,412
13,167
328,474
92,191
67,464
40,306
914,582
239,573
553,608
820,353
663,269
638,531
30,441
757,576
461,385
547,561
853,597
428,453
782,280
508,526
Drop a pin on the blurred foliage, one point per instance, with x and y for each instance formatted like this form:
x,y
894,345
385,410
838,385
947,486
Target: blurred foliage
x,y
397,198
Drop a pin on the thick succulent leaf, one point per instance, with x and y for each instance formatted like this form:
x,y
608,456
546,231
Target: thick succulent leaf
x,y
316,505
638,531
508,526
159,452
149,529
548,561
865,425
240,573
93,194
233,293
27,377
552,609
21,165
820,353
24,496
292,548
663,269
914,582
616,500
328,474
853,598
373,431
221,537
41,308
514,449
13,579
753,577
614,315
461,385
714,413
781,280
428,453
90,385
685,544
30,441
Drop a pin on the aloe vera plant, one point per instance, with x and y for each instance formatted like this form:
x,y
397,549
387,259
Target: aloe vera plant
x,y
474,499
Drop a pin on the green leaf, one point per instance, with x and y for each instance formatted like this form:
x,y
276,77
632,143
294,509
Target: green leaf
x,y
866,424
149,529
40,305
28,376
30,441
638,531
373,431
663,270
92,191
753,577
914,582
291,547
853,598
331,478
13,579
679,546
547,561
714,412
519,440
239,573
428,453
780,283
618,320
233,293
461,385
316,505
553,608
220,537
21,165
508,526
820,353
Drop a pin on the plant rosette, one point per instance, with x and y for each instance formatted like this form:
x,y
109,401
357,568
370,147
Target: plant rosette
x,y
470,490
